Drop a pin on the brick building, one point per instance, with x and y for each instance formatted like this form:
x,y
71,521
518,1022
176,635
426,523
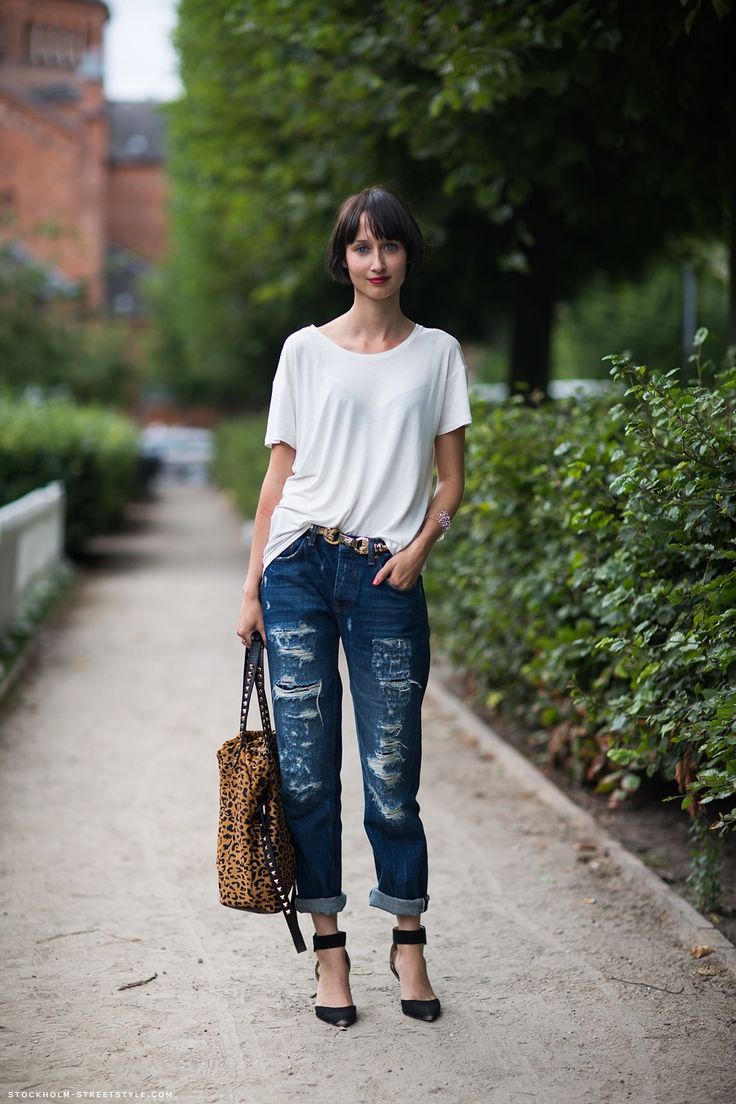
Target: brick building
x,y
82,184
136,198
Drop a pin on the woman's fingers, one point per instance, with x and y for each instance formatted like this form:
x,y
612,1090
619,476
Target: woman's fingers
x,y
250,621
383,571
386,573
246,633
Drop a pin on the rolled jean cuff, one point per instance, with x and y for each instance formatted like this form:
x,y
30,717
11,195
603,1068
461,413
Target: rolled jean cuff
x,y
396,905
327,905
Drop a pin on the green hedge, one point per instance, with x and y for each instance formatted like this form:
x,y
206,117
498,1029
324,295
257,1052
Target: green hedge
x,y
94,450
589,579
35,608
588,583
241,460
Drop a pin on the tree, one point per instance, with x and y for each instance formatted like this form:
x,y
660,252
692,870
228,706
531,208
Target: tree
x,y
593,131
47,342
540,141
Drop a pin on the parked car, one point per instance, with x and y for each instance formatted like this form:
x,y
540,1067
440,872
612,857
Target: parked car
x,y
178,452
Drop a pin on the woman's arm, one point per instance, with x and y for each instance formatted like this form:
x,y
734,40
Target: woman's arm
x,y
279,469
405,567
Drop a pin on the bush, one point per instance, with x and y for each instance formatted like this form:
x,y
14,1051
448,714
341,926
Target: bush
x,y
48,342
241,460
593,579
95,452
35,608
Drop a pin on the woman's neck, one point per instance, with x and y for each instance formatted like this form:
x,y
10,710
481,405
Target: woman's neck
x,y
380,322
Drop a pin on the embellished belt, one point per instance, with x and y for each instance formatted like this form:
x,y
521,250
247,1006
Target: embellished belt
x,y
359,544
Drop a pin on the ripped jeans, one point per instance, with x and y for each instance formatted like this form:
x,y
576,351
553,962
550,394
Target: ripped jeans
x,y
313,595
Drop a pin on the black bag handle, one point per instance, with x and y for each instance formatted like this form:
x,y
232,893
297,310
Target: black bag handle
x,y
253,675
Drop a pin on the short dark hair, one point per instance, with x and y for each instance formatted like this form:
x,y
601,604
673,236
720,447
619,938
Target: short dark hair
x,y
389,218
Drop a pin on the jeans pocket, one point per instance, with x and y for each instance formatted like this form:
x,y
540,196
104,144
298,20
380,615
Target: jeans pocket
x,y
292,550
404,590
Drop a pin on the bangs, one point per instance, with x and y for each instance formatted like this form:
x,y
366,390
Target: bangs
x,y
383,214
388,217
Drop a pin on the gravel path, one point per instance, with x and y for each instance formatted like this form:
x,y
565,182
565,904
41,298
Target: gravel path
x,y
562,978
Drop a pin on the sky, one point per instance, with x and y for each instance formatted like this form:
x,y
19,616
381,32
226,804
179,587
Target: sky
x,y
140,62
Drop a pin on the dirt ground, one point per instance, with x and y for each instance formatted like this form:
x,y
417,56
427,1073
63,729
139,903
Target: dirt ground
x,y
561,980
654,829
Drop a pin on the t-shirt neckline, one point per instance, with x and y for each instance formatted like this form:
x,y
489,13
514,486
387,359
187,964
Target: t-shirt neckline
x,y
353,352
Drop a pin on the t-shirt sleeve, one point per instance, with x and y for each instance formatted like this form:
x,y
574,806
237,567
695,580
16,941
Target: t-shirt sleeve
x,y
281,424
456,404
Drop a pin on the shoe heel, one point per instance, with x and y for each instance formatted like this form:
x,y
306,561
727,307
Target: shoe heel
x,y
427,1010
347,1014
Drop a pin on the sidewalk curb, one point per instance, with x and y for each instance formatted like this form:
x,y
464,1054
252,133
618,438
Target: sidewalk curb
x,y
691,925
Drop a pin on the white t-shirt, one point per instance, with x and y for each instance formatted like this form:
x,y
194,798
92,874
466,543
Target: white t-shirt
x,y
363,426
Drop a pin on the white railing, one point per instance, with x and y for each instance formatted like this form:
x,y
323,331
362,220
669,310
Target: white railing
x,y
31,544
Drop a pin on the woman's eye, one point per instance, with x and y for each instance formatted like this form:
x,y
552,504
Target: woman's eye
x,y
391,246
360,248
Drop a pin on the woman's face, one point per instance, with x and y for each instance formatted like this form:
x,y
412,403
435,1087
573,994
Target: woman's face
x,y
376,268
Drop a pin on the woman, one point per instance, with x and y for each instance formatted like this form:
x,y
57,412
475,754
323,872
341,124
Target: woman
x,y
343,528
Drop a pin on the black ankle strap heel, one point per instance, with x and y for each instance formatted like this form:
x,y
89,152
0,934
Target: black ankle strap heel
x,y
324,942
419,1009
338,1017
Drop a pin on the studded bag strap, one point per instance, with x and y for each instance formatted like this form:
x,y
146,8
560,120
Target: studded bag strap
x,y
253,675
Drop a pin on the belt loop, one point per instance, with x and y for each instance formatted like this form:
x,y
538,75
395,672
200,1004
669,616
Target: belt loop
x,y
312,533
371,550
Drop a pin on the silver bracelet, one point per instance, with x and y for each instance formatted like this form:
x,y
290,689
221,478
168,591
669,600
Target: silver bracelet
x,y
444,517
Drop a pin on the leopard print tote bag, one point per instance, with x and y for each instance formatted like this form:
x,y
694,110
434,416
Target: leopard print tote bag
x,y
255,852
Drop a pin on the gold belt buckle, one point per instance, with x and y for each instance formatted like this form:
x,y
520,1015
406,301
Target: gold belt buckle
x,y
334,536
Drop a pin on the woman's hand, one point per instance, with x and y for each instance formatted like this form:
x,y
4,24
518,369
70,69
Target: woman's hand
x,y
250,618
403,569
406,566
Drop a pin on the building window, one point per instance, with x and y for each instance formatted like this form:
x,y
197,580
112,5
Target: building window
x,y
123,303
57,47
136,144
37,46
7,204
26,36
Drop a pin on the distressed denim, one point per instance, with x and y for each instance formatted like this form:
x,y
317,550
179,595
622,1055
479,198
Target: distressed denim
x,y
313,595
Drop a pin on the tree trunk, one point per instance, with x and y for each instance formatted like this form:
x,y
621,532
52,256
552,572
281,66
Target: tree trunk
x,y
533,306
